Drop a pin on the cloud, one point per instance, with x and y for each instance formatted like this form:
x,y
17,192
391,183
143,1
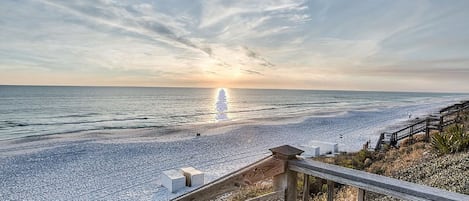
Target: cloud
x,y
252,72
215,40
217,12
113,15
253,55
132,20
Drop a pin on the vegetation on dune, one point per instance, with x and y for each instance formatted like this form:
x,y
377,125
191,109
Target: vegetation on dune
x,y
454,139
252,191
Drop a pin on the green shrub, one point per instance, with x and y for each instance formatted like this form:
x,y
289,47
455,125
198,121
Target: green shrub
x,y
454,139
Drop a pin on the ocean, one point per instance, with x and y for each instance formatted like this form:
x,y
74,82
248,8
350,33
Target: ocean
x,y
46,110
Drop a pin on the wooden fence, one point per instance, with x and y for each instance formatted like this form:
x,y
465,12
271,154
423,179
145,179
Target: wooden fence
x,y
448,116
283,166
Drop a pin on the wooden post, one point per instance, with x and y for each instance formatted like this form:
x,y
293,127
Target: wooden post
x,y
292,181
361,195
280,182
330,190
440,126
287,181
306,187
380,141
393,140
427,130
411,132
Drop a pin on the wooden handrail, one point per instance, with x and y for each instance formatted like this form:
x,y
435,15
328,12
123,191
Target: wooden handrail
x,y
264,168
412,125
372,182
426,125
456,106
284,166
420,122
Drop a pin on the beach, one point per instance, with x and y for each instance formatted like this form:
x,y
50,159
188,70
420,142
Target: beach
x,y
126,164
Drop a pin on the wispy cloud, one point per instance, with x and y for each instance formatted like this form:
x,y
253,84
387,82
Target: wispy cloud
x,y
322,44
252,72
256,56
129,19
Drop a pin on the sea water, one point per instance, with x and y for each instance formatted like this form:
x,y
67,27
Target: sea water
x,y
45,110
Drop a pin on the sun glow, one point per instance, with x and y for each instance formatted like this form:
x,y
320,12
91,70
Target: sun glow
x,y
228,73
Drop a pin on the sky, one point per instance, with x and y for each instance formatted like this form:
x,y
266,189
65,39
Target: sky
x,y
396,45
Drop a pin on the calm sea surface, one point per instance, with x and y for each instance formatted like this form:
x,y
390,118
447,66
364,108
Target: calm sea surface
x,y
38,110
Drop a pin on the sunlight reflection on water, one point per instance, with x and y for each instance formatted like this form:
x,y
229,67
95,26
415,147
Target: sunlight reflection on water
x,y
221,106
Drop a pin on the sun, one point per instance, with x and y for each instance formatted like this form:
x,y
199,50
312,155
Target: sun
x,y
219,80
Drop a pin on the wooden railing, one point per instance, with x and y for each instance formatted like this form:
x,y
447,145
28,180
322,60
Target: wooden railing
x,y
455,107
448,116
283,167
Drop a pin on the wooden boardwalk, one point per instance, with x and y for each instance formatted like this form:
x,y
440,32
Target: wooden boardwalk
x,y
447,116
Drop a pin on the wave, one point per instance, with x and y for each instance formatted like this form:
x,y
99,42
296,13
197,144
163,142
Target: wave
x,y
25,137
10,124
285,105
275,107
307,103
228,112
78,115
192,115
253,110
7,124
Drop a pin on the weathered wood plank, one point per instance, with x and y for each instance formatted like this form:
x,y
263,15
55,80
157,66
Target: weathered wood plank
x,y
306,184
291,185
330,190
265,168
409,126
360,194
372,182
280,182
427,130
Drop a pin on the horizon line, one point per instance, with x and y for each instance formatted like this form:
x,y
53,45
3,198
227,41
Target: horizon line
x,y
188,87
